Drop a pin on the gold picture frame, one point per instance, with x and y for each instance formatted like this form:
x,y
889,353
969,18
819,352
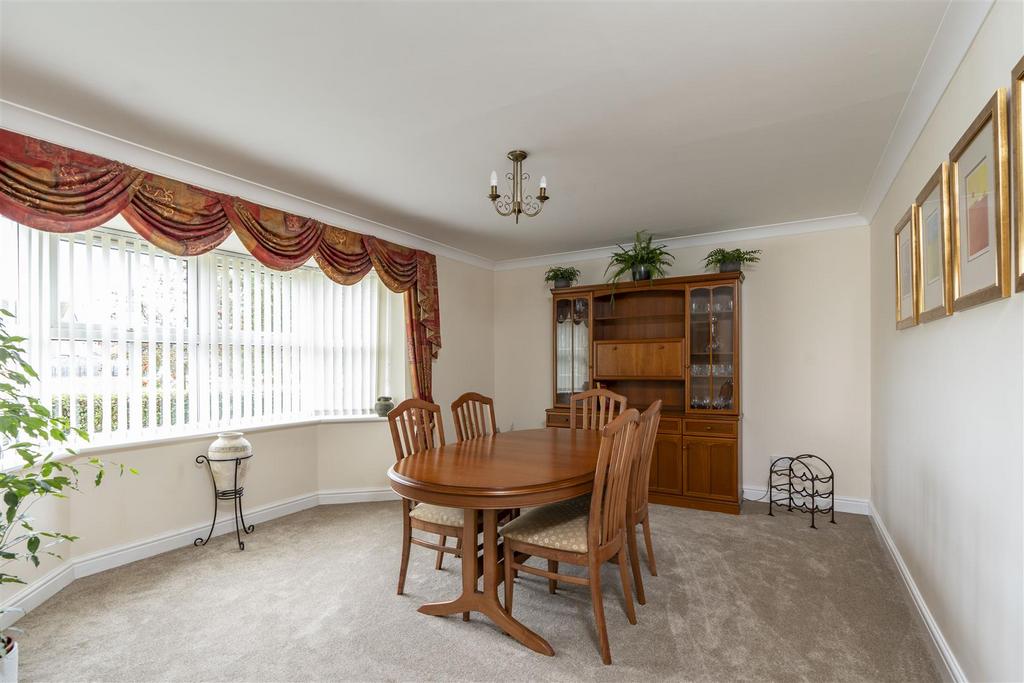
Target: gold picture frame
x,y
905,243
1017,121
980,205
933,255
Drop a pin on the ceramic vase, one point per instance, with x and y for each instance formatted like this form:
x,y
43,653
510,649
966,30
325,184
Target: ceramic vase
x,y
226,447
383,406
9,664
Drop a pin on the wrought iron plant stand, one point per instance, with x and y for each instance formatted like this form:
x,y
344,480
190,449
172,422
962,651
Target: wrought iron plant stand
x,y
234,494
801,479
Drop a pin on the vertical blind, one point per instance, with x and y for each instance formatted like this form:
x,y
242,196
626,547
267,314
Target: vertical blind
x,y
147,344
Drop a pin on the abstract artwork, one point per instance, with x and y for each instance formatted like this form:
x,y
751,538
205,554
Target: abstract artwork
x,y
978,197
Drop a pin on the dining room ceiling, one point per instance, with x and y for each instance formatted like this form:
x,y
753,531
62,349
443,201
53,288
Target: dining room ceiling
x,y
678,118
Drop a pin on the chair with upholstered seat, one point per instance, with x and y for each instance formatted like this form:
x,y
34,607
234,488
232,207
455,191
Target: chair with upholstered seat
x,y
416,426
594,408
636,503
474,416
582,531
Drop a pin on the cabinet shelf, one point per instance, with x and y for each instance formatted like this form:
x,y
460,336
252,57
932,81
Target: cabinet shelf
x,y
641,317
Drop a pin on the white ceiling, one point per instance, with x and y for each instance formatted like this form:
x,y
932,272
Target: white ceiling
x,y
681,118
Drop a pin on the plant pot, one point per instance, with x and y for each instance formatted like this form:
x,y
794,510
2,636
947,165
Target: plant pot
x,y
9,663
641,273
562,284
383,406
730,267
229,445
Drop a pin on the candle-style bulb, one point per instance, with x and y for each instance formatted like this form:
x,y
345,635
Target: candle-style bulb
x,y
494,178
544,182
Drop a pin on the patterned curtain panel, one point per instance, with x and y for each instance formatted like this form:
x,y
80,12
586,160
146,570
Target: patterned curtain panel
x,y
57,189
179,218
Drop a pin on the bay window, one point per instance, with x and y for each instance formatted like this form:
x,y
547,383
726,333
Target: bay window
x,y
131,342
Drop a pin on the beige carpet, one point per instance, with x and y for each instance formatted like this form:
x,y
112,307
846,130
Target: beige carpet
x,y
313,598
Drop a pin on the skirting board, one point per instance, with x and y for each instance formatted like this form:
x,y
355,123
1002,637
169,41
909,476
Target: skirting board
x,y
60,577
939,640
857,506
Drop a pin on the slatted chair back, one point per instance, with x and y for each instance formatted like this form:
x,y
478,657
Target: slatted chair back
x,y
416,425
619,443
649,421
596,407
474,416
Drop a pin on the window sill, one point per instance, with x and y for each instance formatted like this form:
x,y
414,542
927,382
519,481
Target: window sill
x,y
170,439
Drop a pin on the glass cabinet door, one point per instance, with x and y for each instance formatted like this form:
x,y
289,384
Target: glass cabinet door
x,y
711,381
572,347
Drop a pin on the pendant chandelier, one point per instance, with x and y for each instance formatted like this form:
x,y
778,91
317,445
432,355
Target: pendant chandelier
x,y
516,203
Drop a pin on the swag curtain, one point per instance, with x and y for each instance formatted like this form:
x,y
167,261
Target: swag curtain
x,y
57,189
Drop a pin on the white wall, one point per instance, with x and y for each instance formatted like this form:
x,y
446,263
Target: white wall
x,y
806,365
947,407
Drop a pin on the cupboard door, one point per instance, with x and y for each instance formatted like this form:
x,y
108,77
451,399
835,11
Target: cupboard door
x,y
712,343
572,346
631,359
615,360
711,469
667,465
659,359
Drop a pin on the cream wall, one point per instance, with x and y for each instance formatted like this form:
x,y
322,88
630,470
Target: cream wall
x,y
806,357
947,407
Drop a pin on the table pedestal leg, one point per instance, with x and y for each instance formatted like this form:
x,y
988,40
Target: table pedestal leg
x,y
485,602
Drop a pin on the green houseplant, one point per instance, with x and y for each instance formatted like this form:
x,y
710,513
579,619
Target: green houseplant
x,y
27,427
731,260
562,276
643,260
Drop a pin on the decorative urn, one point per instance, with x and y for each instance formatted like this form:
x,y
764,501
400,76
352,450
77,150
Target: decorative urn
x,y
383,406
222,453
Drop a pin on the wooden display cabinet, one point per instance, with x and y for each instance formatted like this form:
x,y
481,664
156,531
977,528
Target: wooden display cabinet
x,y
677,339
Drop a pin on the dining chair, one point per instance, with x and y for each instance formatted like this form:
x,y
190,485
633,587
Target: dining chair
x,y
416,425
470,412
582,531
636,502
597,408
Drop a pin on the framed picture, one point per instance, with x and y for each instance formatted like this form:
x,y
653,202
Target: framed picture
x,y
1016,114
980,208
906,270
933,254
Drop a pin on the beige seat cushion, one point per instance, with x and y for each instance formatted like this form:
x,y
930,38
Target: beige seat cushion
x,y
436,514
562,526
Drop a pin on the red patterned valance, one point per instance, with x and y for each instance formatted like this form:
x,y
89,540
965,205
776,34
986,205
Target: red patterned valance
x,y
53,188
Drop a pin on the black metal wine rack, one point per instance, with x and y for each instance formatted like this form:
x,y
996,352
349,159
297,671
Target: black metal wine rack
x,y
800,483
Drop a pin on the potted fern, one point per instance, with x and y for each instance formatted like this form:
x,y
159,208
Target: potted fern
x,y
562,276
731,260
643,260
27,427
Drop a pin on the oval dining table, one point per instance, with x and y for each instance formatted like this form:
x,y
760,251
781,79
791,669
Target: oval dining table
x,y
489,474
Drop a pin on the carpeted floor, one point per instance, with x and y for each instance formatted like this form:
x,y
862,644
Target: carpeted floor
x,y
313,598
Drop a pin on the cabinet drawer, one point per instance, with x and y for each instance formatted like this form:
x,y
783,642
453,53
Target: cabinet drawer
x,y
669,425
639,359
709,427
558,420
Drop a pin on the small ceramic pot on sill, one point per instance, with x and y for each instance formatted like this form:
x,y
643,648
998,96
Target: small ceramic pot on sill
x,y
383,406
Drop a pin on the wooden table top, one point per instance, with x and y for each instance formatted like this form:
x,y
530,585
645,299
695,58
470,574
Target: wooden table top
x,y
506,470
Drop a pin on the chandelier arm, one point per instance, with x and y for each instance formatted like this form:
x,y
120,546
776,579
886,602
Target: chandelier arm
x,y
529,214
500,212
